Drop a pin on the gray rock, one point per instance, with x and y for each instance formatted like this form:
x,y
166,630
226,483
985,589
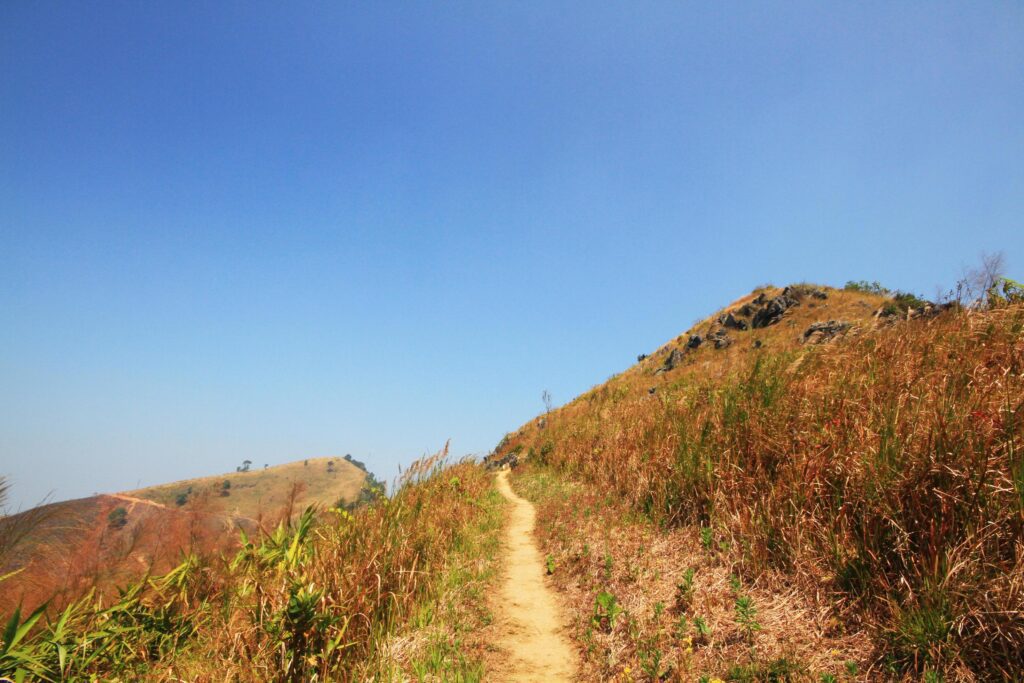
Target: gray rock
x,y
774,310
720,339
674,360
821,332
732,322
694,341
510,459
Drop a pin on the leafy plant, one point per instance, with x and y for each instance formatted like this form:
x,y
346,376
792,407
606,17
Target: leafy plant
x,y
702,628
684,589
117,518
606,611
651,663
746,615
707,538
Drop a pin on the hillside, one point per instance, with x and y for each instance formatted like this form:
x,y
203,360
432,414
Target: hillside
x,y
110,539
392,590
269,491
811,484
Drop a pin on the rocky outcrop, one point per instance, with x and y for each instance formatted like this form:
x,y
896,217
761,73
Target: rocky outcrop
x,y
770,311
674,360
720,339
732,322
821,332
509,459
694,341
773,311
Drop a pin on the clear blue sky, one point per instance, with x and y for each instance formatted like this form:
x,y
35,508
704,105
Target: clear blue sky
x,y
282,230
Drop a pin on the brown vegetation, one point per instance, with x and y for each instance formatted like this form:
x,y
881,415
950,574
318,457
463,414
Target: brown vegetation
x,y
881,474
326,596
101,542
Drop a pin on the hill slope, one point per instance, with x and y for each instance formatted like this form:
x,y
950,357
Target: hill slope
x,y
801,499
110,539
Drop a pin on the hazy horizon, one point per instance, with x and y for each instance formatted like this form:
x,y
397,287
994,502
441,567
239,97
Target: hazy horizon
x,y
249,231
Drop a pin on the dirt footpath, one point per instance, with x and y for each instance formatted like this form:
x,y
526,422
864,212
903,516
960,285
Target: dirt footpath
x,y
530,625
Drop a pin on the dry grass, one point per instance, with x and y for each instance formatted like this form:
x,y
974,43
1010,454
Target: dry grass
x,y
266,491
879,476
71,547
329,596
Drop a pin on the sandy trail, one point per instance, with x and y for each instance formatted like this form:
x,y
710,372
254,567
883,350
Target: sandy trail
x,y
529,621
133,501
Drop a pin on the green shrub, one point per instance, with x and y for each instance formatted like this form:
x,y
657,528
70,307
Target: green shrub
x,y
117,518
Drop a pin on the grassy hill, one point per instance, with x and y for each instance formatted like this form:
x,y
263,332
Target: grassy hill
x,y
812,484
270,491
110,539
379,593
804,500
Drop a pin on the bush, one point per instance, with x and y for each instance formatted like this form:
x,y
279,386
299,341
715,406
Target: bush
x,y
901,302
866,287
117,518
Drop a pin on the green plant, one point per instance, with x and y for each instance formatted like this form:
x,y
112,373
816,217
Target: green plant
x,y
778,670
682,627
920,635
865,287
650,663
606,611
684,589
702,628
707,537
901,302
117,518
746,615
550,564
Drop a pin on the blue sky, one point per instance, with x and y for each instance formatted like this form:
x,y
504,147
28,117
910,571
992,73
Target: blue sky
x,y
272,231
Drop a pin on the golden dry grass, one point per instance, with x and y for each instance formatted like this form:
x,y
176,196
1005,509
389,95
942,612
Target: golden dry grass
x,y
879,475
266,492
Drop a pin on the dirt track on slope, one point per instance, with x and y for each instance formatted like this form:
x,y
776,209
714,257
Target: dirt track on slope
x,y
533,644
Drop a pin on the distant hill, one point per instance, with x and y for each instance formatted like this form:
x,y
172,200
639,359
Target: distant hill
x,y
108,539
